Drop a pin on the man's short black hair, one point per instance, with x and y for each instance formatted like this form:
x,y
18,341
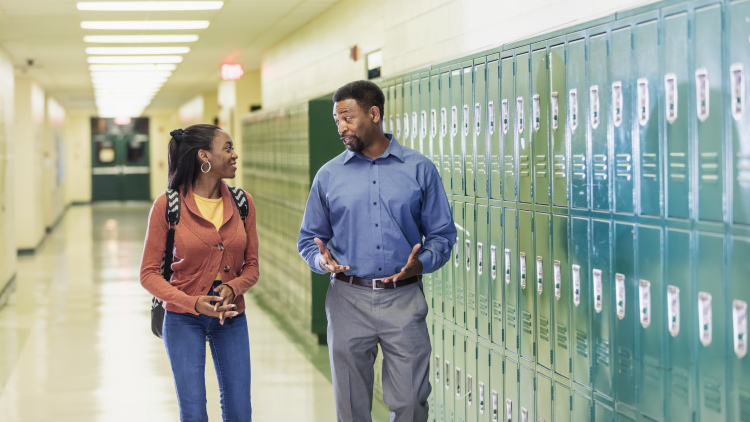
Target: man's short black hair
x,y
365,93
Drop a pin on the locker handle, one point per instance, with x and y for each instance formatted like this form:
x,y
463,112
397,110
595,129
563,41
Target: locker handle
x,y
737,82
522,259
458,382
468,255
466,120
594,109
491,117
576,284
524,415
597,276
509,409
398,128
558,279
620,295
702,91
506,116
443,123
437,369
481,398
493,262
469,384
478,117
480,260
537,112
495,409
519,113
456,247
507,266
705,322
739,317
617,103
673,310
573,104
423,133
414,122
670,92
447,375
643,101
539,275
555,110
644,288
406,126
454,121
390,121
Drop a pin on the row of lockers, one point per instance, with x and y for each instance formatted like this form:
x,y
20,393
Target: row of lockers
x,y
642,113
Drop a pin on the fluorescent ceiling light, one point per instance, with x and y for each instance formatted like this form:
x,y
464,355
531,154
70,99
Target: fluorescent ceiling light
x,y
134,59
131,81
149,5
137,50
130,75
131,67
141,25
139,39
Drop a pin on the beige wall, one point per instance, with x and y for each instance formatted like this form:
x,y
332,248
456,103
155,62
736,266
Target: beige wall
x,y
160,124
7,172
53,182
77,133
314,60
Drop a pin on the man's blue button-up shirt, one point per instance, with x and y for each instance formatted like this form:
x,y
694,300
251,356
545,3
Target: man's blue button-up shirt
x,y
371,213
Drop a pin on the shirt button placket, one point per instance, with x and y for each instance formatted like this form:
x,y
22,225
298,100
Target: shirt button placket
x,y
375,195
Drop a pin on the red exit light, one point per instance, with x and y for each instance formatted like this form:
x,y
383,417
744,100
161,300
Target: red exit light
x,y
231,72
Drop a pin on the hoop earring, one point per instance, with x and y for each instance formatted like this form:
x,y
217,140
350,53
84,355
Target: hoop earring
x,y
209,167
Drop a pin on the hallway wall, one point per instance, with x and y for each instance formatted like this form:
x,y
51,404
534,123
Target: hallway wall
x,y
7,211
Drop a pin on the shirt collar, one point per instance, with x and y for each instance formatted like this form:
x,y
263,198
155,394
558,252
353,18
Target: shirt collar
x,y
394,148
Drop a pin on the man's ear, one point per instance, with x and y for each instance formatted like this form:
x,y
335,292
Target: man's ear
x,y
375,114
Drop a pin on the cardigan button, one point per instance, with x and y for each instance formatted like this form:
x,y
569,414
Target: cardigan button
x,y
221,246
226,269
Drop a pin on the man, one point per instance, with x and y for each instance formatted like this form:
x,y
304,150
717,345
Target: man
x,y
376,219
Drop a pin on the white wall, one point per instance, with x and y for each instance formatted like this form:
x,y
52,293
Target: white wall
x,y
77,133
53,182
7,172
314,60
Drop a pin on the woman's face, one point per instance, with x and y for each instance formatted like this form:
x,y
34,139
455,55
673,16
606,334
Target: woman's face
x,y
223,159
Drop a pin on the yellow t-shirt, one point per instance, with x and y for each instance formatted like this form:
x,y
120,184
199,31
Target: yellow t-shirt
x,y
213,211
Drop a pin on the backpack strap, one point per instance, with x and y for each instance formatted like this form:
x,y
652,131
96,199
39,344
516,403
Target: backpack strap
x,y
173,206
173,217
240,200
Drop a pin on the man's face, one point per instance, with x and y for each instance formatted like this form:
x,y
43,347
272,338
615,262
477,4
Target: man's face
x,y
354,124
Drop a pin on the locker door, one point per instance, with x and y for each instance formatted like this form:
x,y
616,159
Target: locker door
x,y
562,292
471,397
621,89
484,271
494,129
563,402
479,129
739,296
433,342
582,409
415,113
526,272
558,107
544,394
581,315
601,288
603,413
496,401
459,263
539,127
457,131
497,277
739,62
625,310
459,375
523,131
598,98
406,116
470,259
449,306
425,140
509,408
507,111
681,341
712,347
676,82
445,129
577,92
544,289
468,129
397,110
510,278
433,124
527,396
438,379
650,309
483,393
708,88
449,395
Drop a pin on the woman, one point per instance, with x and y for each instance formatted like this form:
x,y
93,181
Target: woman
x,y
215,263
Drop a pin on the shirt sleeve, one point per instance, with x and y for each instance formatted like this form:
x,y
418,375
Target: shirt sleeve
x,y
250,269
437,225
315,223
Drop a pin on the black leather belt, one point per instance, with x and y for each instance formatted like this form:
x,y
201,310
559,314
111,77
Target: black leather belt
x,y
375,283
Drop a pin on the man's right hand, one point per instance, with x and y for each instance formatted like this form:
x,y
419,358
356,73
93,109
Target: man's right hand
x,y
327,263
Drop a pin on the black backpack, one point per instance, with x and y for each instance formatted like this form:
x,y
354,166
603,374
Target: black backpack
x,y
173,217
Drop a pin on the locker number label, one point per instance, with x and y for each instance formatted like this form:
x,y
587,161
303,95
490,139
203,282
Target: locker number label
x,y
454,121
506,116
597,290
673,310
617,103
539,275
522,259
737,86
739,318
478,118
594,97
443,123
558,279
702,97
620,295
491,116
573,100
643,103
670,92
466,120
576,285
705,322
536,109
519,113
493,262
555,110
507,266
644,295
480,261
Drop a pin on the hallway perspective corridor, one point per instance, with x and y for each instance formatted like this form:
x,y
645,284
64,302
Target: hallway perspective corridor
x,y
76,344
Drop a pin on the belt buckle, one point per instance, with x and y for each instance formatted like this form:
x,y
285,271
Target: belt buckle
x,y
375,283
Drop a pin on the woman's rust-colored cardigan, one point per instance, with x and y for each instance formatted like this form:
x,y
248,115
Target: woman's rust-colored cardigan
x,y
199,252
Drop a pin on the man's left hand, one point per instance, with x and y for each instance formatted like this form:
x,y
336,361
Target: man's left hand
x,y
413,267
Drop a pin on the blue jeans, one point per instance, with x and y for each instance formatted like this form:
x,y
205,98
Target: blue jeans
x,y
185,338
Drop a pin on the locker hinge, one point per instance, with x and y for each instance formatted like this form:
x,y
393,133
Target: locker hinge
x,y
516,221
476,324
552,357
475,212
503,365
503,335
490,360
518,375
488,214
532,222
632,41
565,57
607,48
531,189
570,365
454,340
464,348
487,185
514,68
463,214
442,334
477,353
451,183
529,61
475,185
518,342
552,393
515,188
585,53
571,403
533,349
501,188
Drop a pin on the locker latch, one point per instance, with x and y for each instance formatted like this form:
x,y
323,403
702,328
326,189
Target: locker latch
x,y
507,266
481,398
702,97
597,290
670,92
398,128
522,259
558,279
576,284
739,314
506,116
423,133
437,369
390,122
644,290
458,382
555,110
524,415
454,121
478,117
493,262
469,383
643,103
466,120
519,113
443,123
468,255
491,117
705,318
508,410
456,261
537,112
617,103
594,95
495,410
620,295
737,82
573,104
414,122
539,275
673,310
447,375
406,126
479,259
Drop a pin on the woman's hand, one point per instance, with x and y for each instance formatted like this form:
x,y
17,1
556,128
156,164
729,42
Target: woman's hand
x,y
219,310
227,293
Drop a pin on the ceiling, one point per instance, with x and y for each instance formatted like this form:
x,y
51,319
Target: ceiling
x,y
49,33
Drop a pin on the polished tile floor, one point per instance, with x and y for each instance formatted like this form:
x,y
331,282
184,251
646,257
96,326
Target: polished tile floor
x,y
76,345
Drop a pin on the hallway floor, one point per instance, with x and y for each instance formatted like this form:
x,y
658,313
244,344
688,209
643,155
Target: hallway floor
x,y
76,344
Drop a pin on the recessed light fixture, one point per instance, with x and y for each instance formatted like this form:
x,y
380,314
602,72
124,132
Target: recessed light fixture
x,y
139,39
131,67
144,25
149,5
134,59
137,50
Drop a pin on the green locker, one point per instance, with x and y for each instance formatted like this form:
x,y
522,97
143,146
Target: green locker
x,y
468,129
507,105
561,289
651,302
558,104
620,63
646,53
459,272
433,123
510,279
626,308
563,402
681,341
417,137
457,132
676,86
470,258
509,408
431,403
527,280
544,394
709,104
493,127
603,413
405,116
449,307
483,394
582,409
497,278
470,396
449,395
602,299
598,97
479,129
496,397
398,109
523,138
459,375
544,290
581,312
445,123
484,271
539,127
712,347
576,84
393,110
527,394
438,380
739,60
739,295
